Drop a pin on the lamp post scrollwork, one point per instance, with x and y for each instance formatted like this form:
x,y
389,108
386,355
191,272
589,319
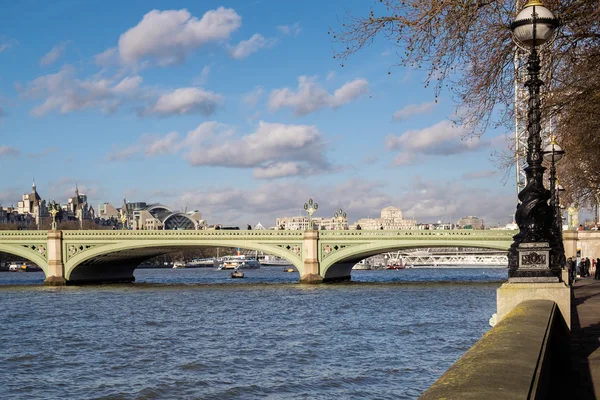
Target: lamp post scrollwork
x,y
340,217
53,209
535,254
310,208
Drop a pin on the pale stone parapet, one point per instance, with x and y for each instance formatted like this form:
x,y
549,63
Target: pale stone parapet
x,y
510,295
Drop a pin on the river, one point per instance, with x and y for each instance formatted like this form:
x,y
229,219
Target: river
x,y
197,334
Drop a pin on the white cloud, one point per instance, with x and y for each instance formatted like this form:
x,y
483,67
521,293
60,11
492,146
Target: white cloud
x,y
203,78
64,92
54,54
271,149
293,29
128,84
163,145
330,75
6,43
430,201
442,138
107,57
310,97
8,151
185,101
278,170
413,109
478,174
252,98
246,47
206,132
44,153
124,154
167,37
150,145
424,200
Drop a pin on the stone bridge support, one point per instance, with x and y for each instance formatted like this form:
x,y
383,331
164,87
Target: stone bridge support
x,y
311,273
56,267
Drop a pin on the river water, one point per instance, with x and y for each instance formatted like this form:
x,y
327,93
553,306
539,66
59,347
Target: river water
x,y
197,334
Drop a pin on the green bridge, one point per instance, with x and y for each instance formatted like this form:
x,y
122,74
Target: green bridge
x,y
101,256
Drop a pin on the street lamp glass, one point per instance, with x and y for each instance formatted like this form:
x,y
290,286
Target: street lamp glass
x,y
534,25
553,151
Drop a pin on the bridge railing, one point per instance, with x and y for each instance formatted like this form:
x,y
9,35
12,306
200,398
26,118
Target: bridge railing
x,y
500,234
239,234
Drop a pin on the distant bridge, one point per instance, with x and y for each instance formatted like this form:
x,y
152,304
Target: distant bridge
x,y
102,256
450,257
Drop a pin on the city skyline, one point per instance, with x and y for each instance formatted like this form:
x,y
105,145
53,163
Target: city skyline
x,y
235,109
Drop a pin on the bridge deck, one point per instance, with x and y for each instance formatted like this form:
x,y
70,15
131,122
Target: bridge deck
x,y
585,339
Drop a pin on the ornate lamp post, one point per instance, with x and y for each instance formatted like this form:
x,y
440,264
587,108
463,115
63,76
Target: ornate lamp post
x,y
53,209
123,220
553,153
534,255
559,208
340,217
310,208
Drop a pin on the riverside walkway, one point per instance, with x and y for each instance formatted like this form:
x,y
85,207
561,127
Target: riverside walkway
x,y
585,339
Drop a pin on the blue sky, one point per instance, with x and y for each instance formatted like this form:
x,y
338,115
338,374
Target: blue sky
x,y
234,108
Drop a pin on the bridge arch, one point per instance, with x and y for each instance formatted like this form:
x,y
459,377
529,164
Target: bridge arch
x,y
338,264
117,261
26,253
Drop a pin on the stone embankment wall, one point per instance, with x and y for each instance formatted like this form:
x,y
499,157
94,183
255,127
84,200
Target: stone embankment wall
x,y
522,357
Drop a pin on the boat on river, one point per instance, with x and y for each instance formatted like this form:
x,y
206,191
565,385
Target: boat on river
x,y
202,263
239,262
237,274
362,265
274,261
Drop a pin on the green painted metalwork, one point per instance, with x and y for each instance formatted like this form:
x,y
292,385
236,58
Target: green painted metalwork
x,y
352,246
82,246
334,247
31,245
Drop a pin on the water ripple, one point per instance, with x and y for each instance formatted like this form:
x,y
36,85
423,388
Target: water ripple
x,y
206,337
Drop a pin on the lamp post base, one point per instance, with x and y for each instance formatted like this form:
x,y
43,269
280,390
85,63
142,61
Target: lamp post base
x,y
534,264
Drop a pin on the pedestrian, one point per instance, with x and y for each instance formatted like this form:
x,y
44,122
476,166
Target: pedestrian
x,y
585,265
571,269
588,265
597,274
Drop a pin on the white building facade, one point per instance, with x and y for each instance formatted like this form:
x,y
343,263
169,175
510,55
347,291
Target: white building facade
x,y
391,219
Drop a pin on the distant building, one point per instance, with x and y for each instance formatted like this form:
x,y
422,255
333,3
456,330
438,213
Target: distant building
x,y
391,219
470,222
78,207
301,222
143,216
10,215
33,205
107,211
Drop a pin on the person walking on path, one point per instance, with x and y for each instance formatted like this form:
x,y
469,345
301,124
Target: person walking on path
x,y
571,269
597,274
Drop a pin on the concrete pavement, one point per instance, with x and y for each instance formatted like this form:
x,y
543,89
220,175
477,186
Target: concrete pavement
x,y
585,339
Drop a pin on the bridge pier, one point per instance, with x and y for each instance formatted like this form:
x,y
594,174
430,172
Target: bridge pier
x,y
311,273
56,267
